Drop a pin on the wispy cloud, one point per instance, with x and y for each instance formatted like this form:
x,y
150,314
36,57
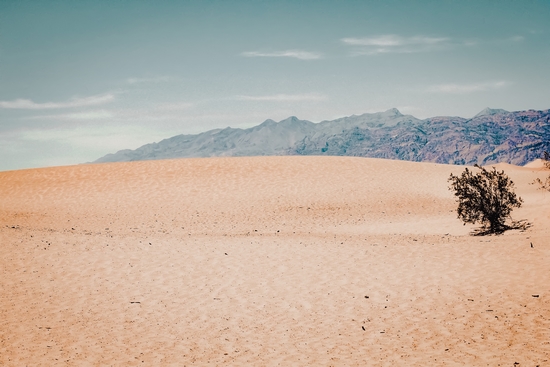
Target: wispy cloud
x,y
516,39
82,116
159,79
297,54
284,97
178,106
470,42
157,112
467,88
85,142
393,40
90,115
392,43
27,104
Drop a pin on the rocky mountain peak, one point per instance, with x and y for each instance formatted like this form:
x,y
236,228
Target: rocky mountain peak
x,y
391,112
289,120
491,111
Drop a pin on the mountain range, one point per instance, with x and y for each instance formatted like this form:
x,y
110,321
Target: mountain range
x,y
491,136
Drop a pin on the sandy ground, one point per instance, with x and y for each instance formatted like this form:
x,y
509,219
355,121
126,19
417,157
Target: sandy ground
x,y
293,261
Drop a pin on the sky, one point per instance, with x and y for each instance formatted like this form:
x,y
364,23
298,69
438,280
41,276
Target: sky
x,y
80,79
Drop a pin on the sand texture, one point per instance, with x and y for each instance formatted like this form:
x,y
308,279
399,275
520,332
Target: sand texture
x,y
266,261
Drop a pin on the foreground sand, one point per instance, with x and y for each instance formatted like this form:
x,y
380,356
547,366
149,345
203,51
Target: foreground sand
x,y
322,261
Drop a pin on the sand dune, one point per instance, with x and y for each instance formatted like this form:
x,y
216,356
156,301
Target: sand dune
x,y
265,261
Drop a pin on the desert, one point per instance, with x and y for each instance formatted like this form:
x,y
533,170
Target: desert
x,y
274,183
266,261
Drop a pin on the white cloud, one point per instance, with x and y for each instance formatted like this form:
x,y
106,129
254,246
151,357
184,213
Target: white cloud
x,y
27,104
467,88
470,43
159,112
392,40
90,115
83,115
92,136
284,97
160,79
392,43
297,54
179,106
517,38
155,114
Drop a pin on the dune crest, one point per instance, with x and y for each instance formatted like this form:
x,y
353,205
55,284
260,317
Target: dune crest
x,y
537,163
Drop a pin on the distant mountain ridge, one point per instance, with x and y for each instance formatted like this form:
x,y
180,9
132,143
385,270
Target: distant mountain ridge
x,y
491,136
491,111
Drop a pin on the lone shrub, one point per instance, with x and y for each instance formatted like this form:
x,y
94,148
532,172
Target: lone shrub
x,y
544,185
486,197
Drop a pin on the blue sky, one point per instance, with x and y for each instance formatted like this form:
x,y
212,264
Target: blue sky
x,y
80,79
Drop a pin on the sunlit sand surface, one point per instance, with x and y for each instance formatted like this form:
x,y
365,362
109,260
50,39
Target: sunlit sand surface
x,y
266,261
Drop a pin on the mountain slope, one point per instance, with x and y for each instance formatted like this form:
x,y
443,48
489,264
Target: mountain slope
x,y
491,136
